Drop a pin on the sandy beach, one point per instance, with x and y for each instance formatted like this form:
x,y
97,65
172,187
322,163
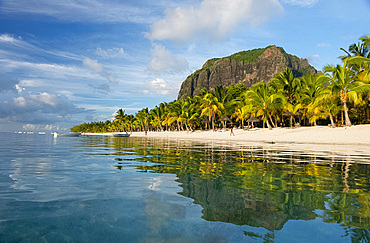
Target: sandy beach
x,y
354,139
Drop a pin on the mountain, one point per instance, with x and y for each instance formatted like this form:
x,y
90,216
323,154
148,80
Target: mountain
x,y
249,67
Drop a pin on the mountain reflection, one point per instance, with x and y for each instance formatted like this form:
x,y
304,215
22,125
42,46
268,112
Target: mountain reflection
x,y
257,186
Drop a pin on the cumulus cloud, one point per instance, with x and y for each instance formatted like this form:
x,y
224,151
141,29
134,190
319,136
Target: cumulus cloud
x,y
162,60
37,108
214,18
302,3
110,53
161,87
93,65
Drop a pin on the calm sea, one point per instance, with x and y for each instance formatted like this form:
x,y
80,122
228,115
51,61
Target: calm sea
x,y
105,189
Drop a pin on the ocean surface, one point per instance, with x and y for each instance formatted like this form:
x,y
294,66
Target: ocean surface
x,y
107,189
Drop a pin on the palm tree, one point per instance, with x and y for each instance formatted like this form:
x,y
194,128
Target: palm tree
x,y
312,88
221,94
359,49
175,114
130,120
143,117
188,112
157,114
120,117
211,106
262,100
287,85
342,83
242,113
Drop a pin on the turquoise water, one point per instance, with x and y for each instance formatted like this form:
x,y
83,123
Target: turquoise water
x,y
105,189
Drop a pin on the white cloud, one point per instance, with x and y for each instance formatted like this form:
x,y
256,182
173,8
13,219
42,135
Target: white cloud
x,y
161,87
213,18
314,59
97,67
111,53
7,38
83,10
42,69
38,108
93,65
302,3
323,45
164,61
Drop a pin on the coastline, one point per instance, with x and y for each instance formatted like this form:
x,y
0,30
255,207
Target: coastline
x,y
354,140
354,135
343,140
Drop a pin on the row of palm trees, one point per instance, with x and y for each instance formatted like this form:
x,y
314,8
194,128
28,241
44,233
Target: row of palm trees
x,y
340,94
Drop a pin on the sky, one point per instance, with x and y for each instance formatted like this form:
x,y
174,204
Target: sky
x,y
63,63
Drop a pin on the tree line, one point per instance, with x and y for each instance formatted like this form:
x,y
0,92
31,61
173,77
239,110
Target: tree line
x,y
340,95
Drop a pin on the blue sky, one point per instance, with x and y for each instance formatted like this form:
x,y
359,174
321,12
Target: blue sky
x,y
79,61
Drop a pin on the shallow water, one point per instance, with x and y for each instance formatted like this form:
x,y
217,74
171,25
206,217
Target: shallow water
x,y
106,189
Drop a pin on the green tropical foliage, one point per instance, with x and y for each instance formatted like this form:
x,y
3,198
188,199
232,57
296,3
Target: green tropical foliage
x,y
339,95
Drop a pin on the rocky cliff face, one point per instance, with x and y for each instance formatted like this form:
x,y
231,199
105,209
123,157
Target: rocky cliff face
x,y
248,67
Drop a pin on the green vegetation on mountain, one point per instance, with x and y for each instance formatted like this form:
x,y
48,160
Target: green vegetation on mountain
x,y
248,67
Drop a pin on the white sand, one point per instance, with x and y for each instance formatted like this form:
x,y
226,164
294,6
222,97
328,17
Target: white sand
x,y
354,139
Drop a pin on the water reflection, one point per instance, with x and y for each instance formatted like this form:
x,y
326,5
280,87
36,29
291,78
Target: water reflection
x,y
254,185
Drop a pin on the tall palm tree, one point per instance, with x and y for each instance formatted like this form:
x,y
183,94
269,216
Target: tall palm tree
x,y
130,120
262,101
157,114
312,87
221,94
143,117
211,106
287,84
362,74
188,112
120,117
342,83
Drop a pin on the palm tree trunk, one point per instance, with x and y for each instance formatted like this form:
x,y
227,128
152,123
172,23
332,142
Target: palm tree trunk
x,y
272,122
291,121
332,121
268,124
213,121
276,122
160,125
348,121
